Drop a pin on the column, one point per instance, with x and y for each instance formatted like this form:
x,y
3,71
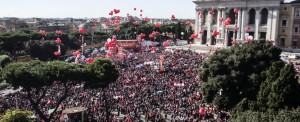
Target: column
x,y
200,24
223,27
269,24
244,23
239,24
209,17
275,24
196,22
257,22
218,22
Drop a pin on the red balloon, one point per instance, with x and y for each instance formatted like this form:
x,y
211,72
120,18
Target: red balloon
x,y
165,44
89,60
57,53
201,32
221,19
188,23
141,14
117,28
172,17
141,10
136,23
236,11
58,41
58,32
109,54
213,8
43,32
157,25
210,12
134,9
76,53
82,30
153,48
247,28
111,48
215,33
233,42
201,16
237,28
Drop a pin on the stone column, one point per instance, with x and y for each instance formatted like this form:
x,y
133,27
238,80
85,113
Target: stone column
x,y
196,22
275,19
223,27
218,22
257,23
239,24
269,24
200,23
244,23
208,24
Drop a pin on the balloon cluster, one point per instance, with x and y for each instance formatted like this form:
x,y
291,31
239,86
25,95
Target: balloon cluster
x,y
146,20
215,33
110,43
167,43
58,32
249,39
136,23
227,21
157,25
43,32
58,41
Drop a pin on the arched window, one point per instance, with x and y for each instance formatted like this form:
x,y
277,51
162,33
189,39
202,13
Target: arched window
x,y
204,15
252,16
232,16
215,17
264,16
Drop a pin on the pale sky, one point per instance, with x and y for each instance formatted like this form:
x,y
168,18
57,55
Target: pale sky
x,y
96,8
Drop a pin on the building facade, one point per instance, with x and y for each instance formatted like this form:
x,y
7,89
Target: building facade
x,y
260,15
289,25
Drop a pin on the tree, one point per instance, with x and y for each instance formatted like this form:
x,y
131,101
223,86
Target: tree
x,y
178,30
13,43
280,89
16,116
36,78
230,75
44,49
4,60
102,73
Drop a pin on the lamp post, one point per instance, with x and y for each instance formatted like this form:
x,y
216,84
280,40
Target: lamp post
x,y
182,34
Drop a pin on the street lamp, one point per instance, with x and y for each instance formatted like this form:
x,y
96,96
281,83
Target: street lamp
x,y
182,33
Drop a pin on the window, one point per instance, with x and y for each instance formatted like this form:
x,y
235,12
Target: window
x,y
264,16
252,17
285,8
283,22
282,41
297,13
294,43
283,30
232,16
296,29
263,35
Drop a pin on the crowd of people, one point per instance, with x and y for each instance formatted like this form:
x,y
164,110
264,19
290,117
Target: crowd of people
x,y
156,87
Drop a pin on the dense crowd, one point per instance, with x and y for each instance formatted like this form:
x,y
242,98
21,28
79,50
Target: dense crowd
x,y
144,91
